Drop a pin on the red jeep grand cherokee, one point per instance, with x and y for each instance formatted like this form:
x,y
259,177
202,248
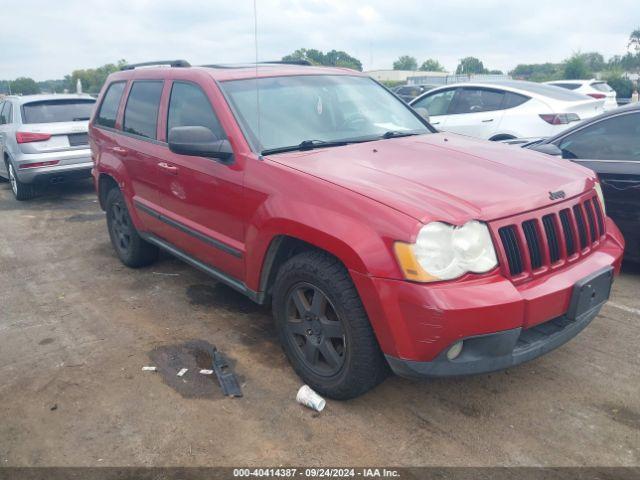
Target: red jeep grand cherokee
x,y
380,242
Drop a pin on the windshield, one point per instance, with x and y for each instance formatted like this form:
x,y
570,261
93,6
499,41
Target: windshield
x,y
322,108
51,111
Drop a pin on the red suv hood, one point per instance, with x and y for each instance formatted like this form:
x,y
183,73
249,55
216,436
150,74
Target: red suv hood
x,y
444,176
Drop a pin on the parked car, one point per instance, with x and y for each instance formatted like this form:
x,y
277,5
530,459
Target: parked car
x,y
409,92
609,144
594,88
379,242
43,139
505,109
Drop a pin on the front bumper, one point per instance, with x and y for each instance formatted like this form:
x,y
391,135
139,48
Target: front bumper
x,y
497,351
416,324
73,164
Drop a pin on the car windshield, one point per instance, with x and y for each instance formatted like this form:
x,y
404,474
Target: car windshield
x,y
316,109
51,111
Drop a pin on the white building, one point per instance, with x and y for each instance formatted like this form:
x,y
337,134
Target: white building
x,y
400,75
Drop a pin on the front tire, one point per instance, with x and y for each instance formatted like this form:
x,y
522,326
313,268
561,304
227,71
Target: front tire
x,y
324,329
21,191
131,248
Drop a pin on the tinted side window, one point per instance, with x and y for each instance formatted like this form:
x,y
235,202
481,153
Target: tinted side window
x,y
616,138
109,108
437,103
475,100
513,100
141,112
601,87
189,106
5,113
568,86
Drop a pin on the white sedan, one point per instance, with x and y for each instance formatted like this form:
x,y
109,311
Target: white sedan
x,y
506,109
594,88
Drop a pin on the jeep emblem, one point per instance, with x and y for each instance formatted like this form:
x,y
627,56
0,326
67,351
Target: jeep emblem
x,y
557,195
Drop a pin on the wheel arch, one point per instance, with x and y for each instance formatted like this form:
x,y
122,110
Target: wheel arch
x,y
105,183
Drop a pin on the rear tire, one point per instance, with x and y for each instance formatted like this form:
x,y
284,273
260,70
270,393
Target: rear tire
x,y
130,247
21,191
324,329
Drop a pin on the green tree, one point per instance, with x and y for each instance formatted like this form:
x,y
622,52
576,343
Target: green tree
x,y
576,68
623,86
537,72
333,58
431,65
469,66
628,62
634,40
405,62
92,79
595,61
52,86
24,86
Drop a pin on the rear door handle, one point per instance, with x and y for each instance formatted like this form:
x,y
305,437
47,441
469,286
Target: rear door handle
x,y
487,120
120,151
168,168
435,123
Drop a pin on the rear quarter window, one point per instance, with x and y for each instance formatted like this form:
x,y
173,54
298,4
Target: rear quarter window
x,y
601,87
568,86
109,108
141,112
54,111
512,100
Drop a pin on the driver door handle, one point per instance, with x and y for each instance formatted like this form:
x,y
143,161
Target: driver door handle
x,y
120,151
168,168
487,120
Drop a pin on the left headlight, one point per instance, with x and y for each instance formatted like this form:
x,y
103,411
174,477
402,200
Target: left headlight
x,y
445,252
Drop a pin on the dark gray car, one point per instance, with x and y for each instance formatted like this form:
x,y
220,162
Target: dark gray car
x,y
609,144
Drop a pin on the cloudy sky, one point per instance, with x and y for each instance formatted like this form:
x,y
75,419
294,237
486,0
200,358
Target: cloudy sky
x,y
46,39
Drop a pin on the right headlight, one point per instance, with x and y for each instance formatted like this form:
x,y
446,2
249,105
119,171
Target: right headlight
x,y
598,189
445,252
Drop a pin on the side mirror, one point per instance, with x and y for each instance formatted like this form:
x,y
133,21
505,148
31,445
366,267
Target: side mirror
x,y
423,112
198,141
548,148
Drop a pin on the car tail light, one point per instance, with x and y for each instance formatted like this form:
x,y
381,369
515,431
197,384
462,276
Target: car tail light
x,y
599,96
48,163
559,118
28,137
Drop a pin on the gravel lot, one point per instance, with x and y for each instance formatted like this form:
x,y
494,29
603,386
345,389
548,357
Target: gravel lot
x,y
76,327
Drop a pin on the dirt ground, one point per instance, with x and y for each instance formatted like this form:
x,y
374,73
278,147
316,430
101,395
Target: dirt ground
x,y
76,326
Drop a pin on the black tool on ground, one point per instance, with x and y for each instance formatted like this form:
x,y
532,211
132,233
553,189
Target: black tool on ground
x,y
226,377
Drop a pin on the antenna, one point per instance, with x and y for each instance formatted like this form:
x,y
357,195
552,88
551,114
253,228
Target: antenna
x,y
255,37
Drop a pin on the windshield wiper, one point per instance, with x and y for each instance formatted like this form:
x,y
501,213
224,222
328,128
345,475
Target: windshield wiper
x,y
307,145
397,133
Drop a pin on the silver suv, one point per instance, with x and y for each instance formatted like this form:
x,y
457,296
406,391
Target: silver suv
x,y
43,139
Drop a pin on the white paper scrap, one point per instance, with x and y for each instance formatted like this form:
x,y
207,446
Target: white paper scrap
x,y
206,372
182,371
150,369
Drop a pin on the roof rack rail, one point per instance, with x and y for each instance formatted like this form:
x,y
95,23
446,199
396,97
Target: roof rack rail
x,y
170,63
304,63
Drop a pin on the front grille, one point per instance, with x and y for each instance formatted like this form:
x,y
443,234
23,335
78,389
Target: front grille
x,y
532,243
